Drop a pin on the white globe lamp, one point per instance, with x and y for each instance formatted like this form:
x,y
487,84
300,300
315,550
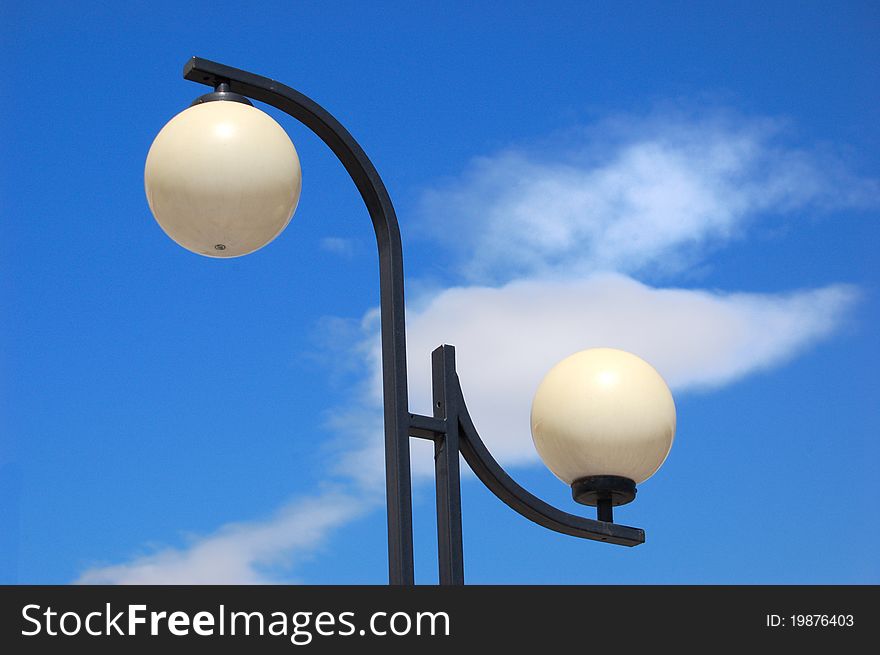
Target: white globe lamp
x,y
222,177
603,421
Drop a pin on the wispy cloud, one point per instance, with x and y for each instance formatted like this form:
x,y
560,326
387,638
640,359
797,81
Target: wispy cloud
x,y
632,196
550,249
255,552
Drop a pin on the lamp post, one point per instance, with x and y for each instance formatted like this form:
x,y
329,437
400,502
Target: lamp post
x,y
223,179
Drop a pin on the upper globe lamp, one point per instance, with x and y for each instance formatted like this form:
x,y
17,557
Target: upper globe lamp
x,y
222,177
603,421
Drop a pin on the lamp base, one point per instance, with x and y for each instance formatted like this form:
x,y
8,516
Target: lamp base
x,y
603,492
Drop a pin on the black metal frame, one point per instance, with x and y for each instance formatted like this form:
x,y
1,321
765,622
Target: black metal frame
x,y
451,428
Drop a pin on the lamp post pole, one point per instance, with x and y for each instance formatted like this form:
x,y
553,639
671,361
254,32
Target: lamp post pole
x,y
398,488
450,428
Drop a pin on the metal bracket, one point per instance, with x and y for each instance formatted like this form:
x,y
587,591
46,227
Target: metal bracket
x,y
451,410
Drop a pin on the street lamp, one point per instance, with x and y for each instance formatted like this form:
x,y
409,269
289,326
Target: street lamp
x,y
603,421
223,179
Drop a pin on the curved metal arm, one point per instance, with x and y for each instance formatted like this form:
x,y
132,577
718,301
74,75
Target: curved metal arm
x,y
375,196
533,508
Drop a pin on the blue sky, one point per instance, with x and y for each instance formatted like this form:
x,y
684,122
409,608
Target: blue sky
x,y
695,182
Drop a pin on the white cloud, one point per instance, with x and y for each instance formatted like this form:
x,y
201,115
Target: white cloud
x,y
240,553
630,196
507,338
